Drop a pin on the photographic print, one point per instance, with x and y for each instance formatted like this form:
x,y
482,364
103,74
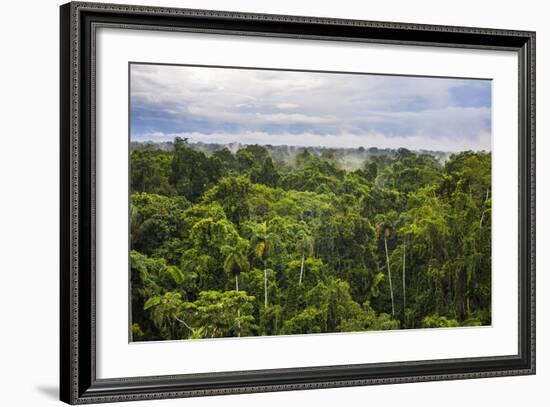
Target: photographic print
x,y
277,202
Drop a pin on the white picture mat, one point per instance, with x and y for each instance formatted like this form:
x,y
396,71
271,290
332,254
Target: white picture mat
x,y
118,358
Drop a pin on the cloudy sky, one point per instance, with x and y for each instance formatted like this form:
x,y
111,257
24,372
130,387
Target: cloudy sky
x,y
248,106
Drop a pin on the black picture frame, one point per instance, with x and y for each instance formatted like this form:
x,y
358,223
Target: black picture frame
x,y
78,382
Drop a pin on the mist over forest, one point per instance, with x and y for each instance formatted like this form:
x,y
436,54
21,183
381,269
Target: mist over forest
x,y
348,158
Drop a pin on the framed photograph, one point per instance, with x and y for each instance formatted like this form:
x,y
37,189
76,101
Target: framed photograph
x,y
255,203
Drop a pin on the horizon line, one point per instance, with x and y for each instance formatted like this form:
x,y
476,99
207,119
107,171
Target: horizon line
x,y
309,146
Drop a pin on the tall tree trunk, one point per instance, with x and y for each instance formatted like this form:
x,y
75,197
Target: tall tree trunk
x,y
265,284
404,287
238,309
483,212
480,225
389,276
302,266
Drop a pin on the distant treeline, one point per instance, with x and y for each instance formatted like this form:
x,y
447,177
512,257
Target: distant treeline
x,y
348,158
274,240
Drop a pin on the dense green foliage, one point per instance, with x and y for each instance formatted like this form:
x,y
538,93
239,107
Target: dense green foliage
x,y
267,242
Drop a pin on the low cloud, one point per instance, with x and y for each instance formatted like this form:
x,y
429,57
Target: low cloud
x,y
286,106
304,108
412,142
